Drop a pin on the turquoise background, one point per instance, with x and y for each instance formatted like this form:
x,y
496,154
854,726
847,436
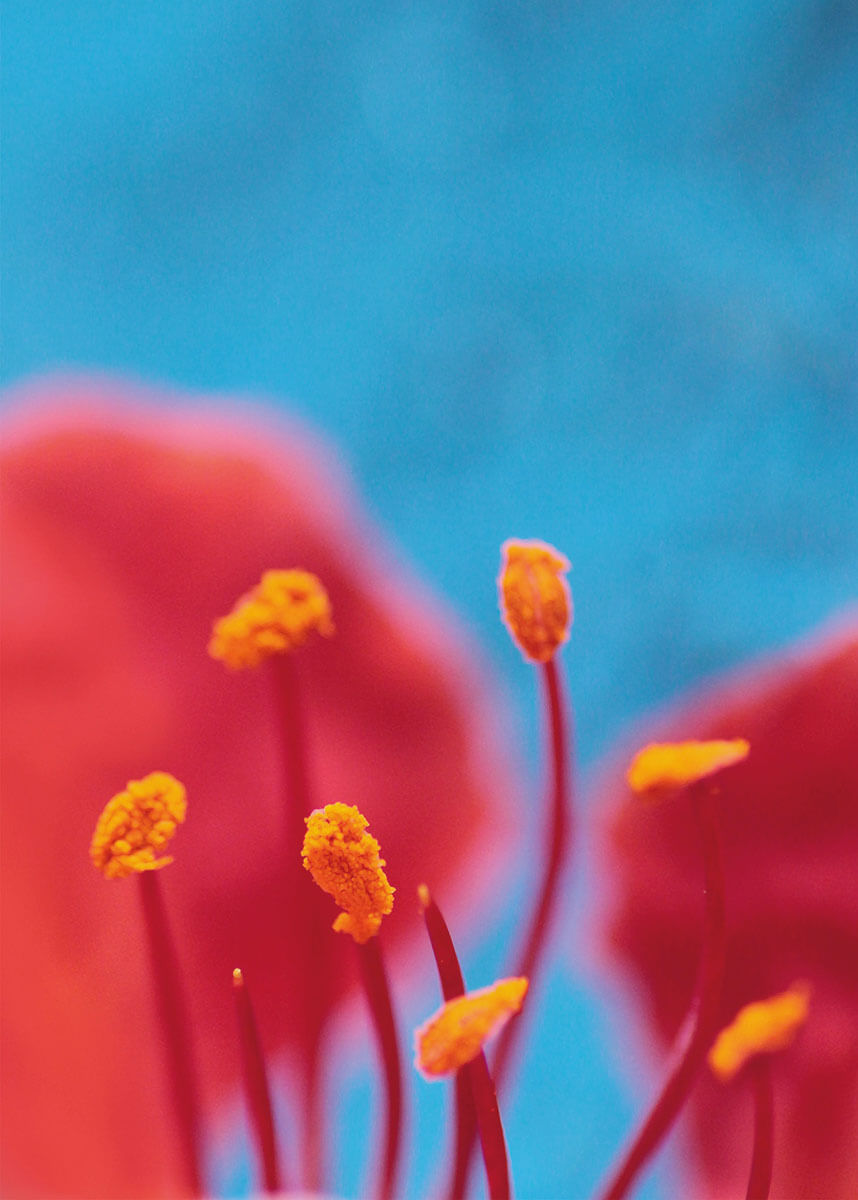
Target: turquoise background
x,y
582,271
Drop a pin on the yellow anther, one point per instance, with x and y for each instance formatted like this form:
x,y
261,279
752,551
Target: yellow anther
x,y
137,824
666,766
457,1032
536,604
760,1028
344,861
276,616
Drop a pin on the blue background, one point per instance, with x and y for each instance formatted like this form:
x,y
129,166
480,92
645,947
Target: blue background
x,y
582,271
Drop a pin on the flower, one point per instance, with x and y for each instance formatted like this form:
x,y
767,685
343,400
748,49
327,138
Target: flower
x,y
789,818
131,522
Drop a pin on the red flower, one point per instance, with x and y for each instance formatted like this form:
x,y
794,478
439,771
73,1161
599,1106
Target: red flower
x,y
789,817
128,527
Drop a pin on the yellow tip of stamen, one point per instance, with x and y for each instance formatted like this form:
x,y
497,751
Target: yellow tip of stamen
x,y
237,978
344,861
535,601
136,825
760,1028
457,1032
276,616
666,766
424,896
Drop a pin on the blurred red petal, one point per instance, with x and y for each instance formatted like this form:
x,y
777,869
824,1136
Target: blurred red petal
x,y
131,521
790,825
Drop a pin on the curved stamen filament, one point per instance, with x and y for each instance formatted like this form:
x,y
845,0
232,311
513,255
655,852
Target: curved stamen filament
x,y
699,1028
559,836
476,1099
256,1084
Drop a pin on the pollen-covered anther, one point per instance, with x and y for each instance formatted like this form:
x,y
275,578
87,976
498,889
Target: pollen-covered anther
x,y
276,616
344,861
457,1032
535,601
664,767
760,1028
137,824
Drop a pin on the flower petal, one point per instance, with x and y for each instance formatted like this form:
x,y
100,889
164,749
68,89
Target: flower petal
x,y
132,520
789,817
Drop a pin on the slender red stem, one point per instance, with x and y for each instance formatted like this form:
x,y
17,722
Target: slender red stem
x,y
452,985
559,834
476,1100
760,1179
700,1026
256,1084
377,988
308,933
559,829
174,1024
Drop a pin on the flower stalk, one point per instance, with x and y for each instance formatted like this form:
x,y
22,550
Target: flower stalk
x,y
475,1096
256,1084
699,1028
760,1178
174,1023
377,989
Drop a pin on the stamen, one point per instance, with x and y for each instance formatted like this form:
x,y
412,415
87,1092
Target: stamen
x,y
536,604
476,1100
344,861
661,768
136,825
256,1083
276,616
273,619
133,828
760,1028
537,608
698,1029
756,1032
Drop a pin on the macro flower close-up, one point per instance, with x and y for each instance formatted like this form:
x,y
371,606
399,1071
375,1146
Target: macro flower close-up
x,y
428,584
